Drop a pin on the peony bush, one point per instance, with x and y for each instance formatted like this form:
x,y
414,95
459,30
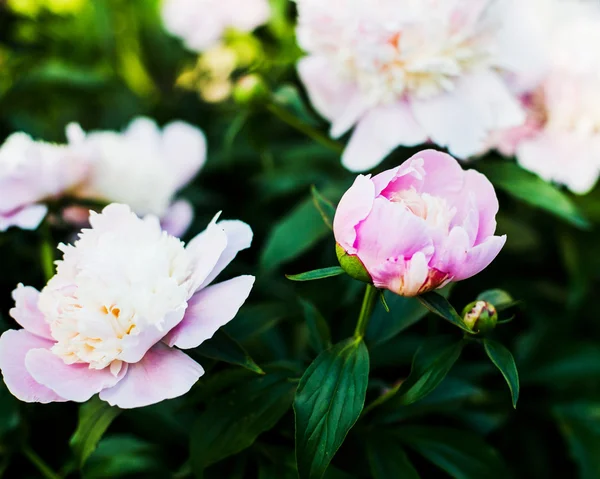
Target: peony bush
x,y
404,283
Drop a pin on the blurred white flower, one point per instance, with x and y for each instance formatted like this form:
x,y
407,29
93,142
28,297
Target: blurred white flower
x,y
408,71
560,141
202,23
142,167
31,172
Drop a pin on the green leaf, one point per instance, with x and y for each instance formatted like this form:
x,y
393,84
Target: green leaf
x,y
439,305
232,423
293,235
319,335
94,418
387,458
328,402
462,454
504,361
316,274
9,411
580,426
531,189
498,297
223,347
324,206
431,364
404,312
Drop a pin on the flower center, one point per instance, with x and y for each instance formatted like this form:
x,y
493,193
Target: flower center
x,y
436,211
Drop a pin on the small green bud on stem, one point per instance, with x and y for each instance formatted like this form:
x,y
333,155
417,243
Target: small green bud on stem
x,y
480,317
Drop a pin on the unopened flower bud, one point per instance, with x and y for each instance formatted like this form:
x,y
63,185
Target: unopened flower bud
x,y
250,89
480,316
352,265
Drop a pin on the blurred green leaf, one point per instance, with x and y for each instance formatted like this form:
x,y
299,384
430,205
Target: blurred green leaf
x,y
404,312
439,305
324,206
462,454
387,458
9,411
94,418
531,189
316,274
233,423
223,347
504,361
328,402
319,335
497,297
289,97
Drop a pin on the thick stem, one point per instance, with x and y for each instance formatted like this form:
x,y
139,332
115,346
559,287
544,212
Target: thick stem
x,y
368,304
38,462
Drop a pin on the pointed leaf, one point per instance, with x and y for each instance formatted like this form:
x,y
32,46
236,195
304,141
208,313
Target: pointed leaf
x,y
223,347
328,402
324,206
387,458
504,361
499,298
439,305
318,331
316,274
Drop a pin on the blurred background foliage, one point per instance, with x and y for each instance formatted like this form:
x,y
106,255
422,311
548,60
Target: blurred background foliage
x,y
103,62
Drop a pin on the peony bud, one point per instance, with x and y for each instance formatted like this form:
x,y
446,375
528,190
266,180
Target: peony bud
x,y
480,316
419,226
250,89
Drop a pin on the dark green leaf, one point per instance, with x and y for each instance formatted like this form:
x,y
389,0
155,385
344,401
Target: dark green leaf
x,y
439,305
499,298
293,235
328,402
404,312
462,454
233,423
223,347
387,458
504,361
580,426
318,331
531,189
324,206
94,418
316,274
9,411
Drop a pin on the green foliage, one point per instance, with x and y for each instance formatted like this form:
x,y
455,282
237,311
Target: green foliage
x,y
504,361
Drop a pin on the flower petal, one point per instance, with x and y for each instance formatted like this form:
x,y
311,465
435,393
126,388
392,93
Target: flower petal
x,y
378,133
178,218
26,311
476,259
14,346
185,147
164,373
208,310
75,382
27,218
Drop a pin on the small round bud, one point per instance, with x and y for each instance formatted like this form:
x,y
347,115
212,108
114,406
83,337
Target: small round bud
x,y
250,89
352,265
480,317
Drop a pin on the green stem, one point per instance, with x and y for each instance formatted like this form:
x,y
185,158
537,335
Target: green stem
x,y
368,304
47,251
302,127
38,462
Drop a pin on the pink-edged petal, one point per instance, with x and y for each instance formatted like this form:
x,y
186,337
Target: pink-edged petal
x,y
378,133
75,382
354,207
487,203
185,147
239,237
206,249
26,311
135,347
14,346
411,168
404,277
208,310
178,218
164,373
27,218
477,258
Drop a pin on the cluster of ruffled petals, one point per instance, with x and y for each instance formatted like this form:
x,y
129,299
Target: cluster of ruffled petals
x,y
405,72
560,140
126,299
201,24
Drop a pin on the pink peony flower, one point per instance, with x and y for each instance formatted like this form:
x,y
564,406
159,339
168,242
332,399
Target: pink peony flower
x,y
421,225
31,172
408,71
560,140
142,167
202,23
125,296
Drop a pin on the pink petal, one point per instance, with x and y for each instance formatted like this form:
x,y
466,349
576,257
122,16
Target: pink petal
x,y
14,346
163,373
354,207
27,218
178,218
208,310
378,133
26,311
239,237
477,258
487,203
185,147
75,382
